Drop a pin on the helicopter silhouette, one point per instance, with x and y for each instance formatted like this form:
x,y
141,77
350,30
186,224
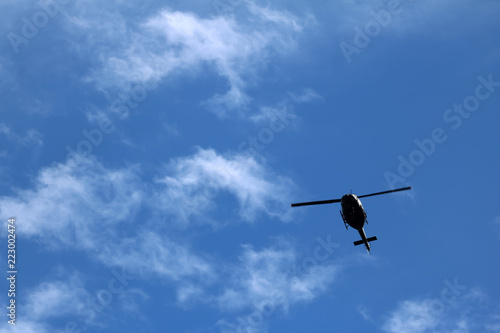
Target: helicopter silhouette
x,y
352,212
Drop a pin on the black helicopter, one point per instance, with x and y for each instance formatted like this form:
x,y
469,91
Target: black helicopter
x,y
352,212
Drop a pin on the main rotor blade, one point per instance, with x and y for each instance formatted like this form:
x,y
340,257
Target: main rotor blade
x,y
315,202
396,190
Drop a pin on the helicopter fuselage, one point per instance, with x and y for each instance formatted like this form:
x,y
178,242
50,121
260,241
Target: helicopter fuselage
x,y
352,211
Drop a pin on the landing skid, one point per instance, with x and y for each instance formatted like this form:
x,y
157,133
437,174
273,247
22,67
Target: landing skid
x,y
343,219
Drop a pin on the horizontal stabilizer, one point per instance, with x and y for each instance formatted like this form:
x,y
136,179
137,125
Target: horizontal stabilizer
x,y
368,240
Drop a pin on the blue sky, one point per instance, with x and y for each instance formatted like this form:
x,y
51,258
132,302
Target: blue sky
x,y
150,152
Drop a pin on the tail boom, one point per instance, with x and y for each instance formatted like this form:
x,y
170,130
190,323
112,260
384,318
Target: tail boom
x,y
365,240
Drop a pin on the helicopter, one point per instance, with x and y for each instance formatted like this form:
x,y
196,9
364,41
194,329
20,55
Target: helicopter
x,y
352,212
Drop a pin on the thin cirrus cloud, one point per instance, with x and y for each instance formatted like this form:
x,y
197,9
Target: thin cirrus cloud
x,y
283,109
64,300
193,183
266,281
268,276
31,138
413,317
26,326
72,201
174,42
54,299
475,310
80,203
406,16
80,199
156,254
76,198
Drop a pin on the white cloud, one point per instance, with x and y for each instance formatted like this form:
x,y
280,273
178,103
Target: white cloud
x,y
307,95
56,299
189,292
283,110
496,223
264,282
25,326
56,303
31,138
4,129
365,313
267,276
95,115
131,300
194,182
412,317
493,325
150,253
171,129
242,326
435,19
82,204
174,42
74,202
283,18
471,311
102,30
85,205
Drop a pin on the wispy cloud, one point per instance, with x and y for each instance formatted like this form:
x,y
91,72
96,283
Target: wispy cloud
x,y
473,311
496,225
63,302
365,313
425,16
150,253
193,183
57,298
174,43
31,138
413,316
307,95
283,109
25,326
72,202
267,274
85,205
264,282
